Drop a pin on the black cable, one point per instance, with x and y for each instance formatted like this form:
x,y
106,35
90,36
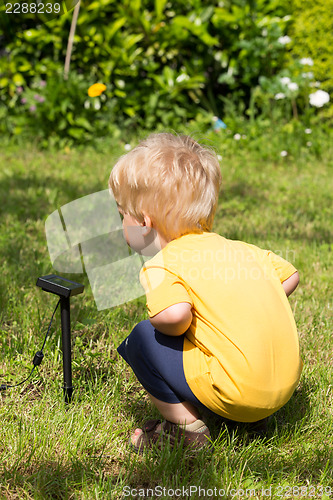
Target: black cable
x,y
37,358
48,330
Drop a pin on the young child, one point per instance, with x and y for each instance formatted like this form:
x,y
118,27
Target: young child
x,y
221,335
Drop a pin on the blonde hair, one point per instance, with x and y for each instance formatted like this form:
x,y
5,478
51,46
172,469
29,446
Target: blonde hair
x,y
171,178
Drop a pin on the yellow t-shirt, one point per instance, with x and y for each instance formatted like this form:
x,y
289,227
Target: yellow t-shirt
x,y
241,352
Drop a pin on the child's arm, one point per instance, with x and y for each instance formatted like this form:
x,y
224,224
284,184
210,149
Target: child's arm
x,y
291,283
173,320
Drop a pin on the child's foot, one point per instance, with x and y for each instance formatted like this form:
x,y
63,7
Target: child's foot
x,y
194,435
135,437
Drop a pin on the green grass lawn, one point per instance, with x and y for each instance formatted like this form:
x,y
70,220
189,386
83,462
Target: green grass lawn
x,y
49,451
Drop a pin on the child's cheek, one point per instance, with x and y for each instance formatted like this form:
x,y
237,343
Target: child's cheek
x,y
140,242
135,238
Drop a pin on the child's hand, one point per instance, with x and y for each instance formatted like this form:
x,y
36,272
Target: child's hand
x,y
291,283
173,320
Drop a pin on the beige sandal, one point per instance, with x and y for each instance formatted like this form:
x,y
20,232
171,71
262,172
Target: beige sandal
x,y
157,432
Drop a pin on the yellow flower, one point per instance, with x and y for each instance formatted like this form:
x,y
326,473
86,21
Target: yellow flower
x,y
96,89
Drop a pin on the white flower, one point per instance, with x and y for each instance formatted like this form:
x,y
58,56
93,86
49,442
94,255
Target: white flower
x,y
279,96
284,153
309,144
309,75
284,40
315,84
308,131
127,147
285,80
237,137
319,98
292,86
182,77
306,61
219,157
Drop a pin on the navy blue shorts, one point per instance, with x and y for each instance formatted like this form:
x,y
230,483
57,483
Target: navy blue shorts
x,y
157,361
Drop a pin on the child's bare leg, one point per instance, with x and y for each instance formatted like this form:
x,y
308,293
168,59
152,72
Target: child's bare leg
x,y
178,413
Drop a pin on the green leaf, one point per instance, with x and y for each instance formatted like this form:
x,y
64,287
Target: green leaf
x,y
32,34
130,111
64,105
93,5
4,82
75,132
120,93
114,27
70,118
62,124
159,7
169,76
26,66
196,29
135,4
132,40
83,122
18,79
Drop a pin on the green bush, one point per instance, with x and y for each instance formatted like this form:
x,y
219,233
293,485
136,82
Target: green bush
x,y
308,69
60,111
312,34
163,62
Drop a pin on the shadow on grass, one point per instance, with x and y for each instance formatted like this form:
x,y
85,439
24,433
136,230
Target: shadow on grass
x,y
281,426
34,195
48,480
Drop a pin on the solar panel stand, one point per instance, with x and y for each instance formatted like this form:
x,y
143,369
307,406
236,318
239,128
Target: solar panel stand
x,y
66,348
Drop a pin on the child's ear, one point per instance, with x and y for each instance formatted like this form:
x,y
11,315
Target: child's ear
x,y
147,225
